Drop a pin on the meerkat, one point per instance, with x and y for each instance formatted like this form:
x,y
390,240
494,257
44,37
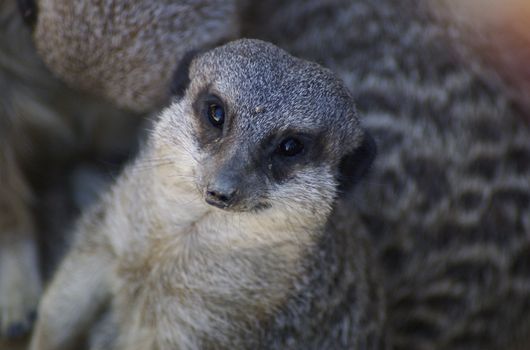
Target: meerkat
x,y
218,235
447,206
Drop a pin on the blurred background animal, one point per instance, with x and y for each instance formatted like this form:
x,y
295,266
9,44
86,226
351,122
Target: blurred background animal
x,y
127,51
448,202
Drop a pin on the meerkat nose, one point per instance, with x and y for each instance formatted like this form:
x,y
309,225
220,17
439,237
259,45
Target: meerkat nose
x,y
220,194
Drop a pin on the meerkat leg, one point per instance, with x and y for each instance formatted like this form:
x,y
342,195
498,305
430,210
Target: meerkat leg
x,y
75,297
20,280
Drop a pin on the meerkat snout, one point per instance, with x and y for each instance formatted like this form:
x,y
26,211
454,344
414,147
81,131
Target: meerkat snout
x,y
232,180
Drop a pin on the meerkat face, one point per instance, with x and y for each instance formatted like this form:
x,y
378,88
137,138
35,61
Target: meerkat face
x,y
270,130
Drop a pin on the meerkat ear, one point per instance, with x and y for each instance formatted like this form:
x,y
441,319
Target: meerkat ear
x,y
28,10
355,165
181,76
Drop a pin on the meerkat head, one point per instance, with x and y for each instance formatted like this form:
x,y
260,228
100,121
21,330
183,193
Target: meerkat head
x,y
123,50
261,129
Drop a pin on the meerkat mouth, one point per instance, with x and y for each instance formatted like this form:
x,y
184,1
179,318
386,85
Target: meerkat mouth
x,y
217,203
259,207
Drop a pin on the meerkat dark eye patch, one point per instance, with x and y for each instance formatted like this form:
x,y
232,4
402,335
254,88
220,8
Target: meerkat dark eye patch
x,y
181,76
355,165
291,151
28,10
212,116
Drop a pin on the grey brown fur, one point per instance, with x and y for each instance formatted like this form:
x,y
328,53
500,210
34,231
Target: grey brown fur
x,y
126,51
271,272
448,203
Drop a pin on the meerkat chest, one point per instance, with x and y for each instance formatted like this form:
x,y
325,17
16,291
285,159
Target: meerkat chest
x,y
208,280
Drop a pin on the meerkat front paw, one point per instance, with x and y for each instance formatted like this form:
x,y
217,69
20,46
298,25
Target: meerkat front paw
x,y
20,285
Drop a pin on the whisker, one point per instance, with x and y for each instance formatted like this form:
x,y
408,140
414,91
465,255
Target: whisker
x,y
186,149
182,176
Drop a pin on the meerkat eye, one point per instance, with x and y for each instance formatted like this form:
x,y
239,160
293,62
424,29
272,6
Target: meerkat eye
x,y
216,114
290,147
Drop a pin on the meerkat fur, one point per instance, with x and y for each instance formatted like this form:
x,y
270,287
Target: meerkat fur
x,y
123,50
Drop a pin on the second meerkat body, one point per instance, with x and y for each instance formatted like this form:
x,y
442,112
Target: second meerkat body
x,y
448,203
218,235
